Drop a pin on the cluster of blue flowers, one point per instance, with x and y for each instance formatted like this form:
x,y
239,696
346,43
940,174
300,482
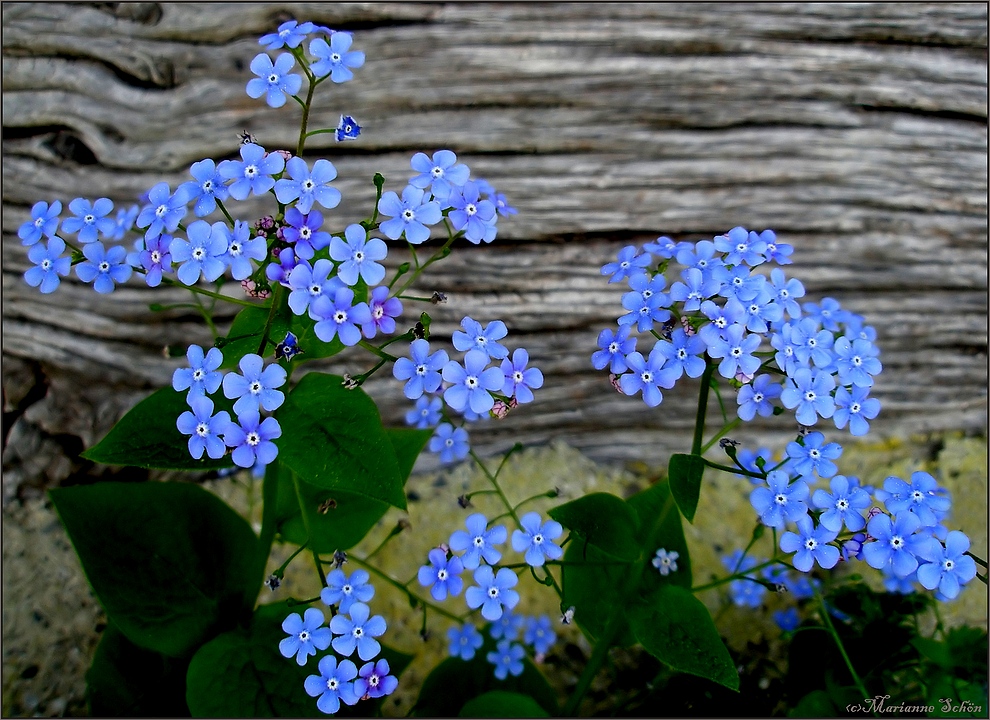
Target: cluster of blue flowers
x,y
720,309
352,629
473,388
537,633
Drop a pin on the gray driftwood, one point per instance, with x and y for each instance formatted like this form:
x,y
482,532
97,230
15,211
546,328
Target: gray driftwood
x,y
858,132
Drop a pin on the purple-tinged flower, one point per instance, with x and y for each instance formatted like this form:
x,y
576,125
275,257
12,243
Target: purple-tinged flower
x,y
255,389
741,246
347,129
754,398
897,543
492,592
843,505
682,356
478,542
337,317
464,643
536,539
539,633
520,381
202,376
471,214
290,34
694,290
628,262
358,631
307,187
410,215
252,438
441,174
780,501
164,211
309,283
359,256
373,680
665,562
154,257
274,81
507,658
280,271
856,361
813,455
810,545
855,407
808,391
614,348
44,221
785,292
422,371
253,172
852,549
344,591
90,219
104,268
426,414
776,252
442,576
336,58
241,249
306,635
304,232
736,349
49,264
950,567
471,384
922,496
201,253
333,684
700,255
644,376
384,310
204,428
474,337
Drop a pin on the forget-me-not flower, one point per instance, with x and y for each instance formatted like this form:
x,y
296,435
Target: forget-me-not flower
x,y
336,58
471,214
357,632
90,219
308,283
922,496
420,370
492,592
854,407
204,428
306,635
253,172
614,348
442,576
426,414
201,253
810,545
813,455
202,376
384,310
359,256
539,633
441,173
49,264
104,267
520,381
950,567
842,506
644,376
290,34
304,232
164,211
478,542
374,681
450,442
242,249
337,317
628,262
536,539
780,500
409,216
307,187
44,221
333,685
274,80
343,590
665,562
474,337
897,543
255,388
754,397
464,642
808,392
471,385
507,659
252,438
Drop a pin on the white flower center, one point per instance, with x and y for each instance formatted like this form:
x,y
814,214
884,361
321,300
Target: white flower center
x,y
89,219
46,264
441,575
156,257
780,499
493,592
202,429
471,381
104,266
250,171
358,632
305,232
470,209
255,387
810,396
538,539
315,290
347,589
198,374
340,317
308,185
304,635
854,408
613,347
437,172
272,79
208,186
408,215
897,542
161,210
358,256
253,439
479,541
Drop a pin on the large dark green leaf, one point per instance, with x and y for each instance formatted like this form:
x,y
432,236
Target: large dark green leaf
x,y
684,473
603,520
333,438
171,564
246,331
676,628
407,443
147,436
660,527
502,704
593,582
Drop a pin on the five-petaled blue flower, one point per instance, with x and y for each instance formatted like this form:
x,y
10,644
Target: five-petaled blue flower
x,y
897,543
304,231
442,174
90,219
754,398
426,414
536,539
164,211
736,348
539,633
289,34
451,443
628,263
333,684
950,567
252,438
614,348
695,289
49,264
384,310
274,81
336,58
204,428
843,505
359,256
253,172
780,500
472,214
478,541
373,680
508,626
922,496
347,129
155,258
308,283
306,635
854,407
507,659
242,249
464,642
410,215
520,381
422,371
665,561
856,361
492,592
104,267
808,391
682,356
357,631
44,221
202,376
741,246
442,576
644,376
786,292
813,455
474,337
471,385
201,253
307,187
255,388
339,318
344,591
810,545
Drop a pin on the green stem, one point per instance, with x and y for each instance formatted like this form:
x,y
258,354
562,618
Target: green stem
x,y
732,470
735,576
309,532
419,270
494,481
279,291
305,114
225,213
402,588
721,433
208,293
269,500
699,423
826,618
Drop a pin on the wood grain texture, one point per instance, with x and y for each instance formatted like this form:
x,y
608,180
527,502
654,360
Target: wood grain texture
x,y
857,131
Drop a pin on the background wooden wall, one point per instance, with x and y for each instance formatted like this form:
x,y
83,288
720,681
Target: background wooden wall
x,y
858,132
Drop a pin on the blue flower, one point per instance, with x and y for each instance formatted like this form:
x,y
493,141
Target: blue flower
x,y
701,256
807,391
44,221
507,659
344,591
338,318
645,307
492,592
665,562
828,314
279,271
426,414
922,496
255,389
441,174
694,290
304,232
347,129
474,337
201,253
539,633
628,263
164,211
274,81
950,567
682,356
308,283
741,246
422,372
664,247
206,189
762,311
855,408
373,680
785,292
241,249
813,455
410,215
897,543
333,684
202,376
49,264
358,631
736,349
520,381
126,218
842,506
204,428
290,34
775,251
788,619
738,282
810,545
614,348
335,59
90,219
786,355
856,361
384,310
721,317
536,539
306,635
478,542
288,348
450,442
308,187
155,258
755,397
471,214
442,576
252,439
507,627
747,458
644,376
743,592
253,172
780,501
358,256
464,642
104,267
471,385
812,344
900,585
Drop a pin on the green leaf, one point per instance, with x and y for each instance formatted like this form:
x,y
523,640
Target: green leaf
x,y
407,443
304,328
128,681
675,627
171,563
684,473
502,704
592,583
660,527
337,440
603,520
245,333
147,436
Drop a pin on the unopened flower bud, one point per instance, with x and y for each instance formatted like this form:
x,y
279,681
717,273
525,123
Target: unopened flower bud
x,y
744,378
499,410
568,616
273,582
464,501
688,327
265,223
349,383
339,558
245,137
286,155
438,297
614,380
